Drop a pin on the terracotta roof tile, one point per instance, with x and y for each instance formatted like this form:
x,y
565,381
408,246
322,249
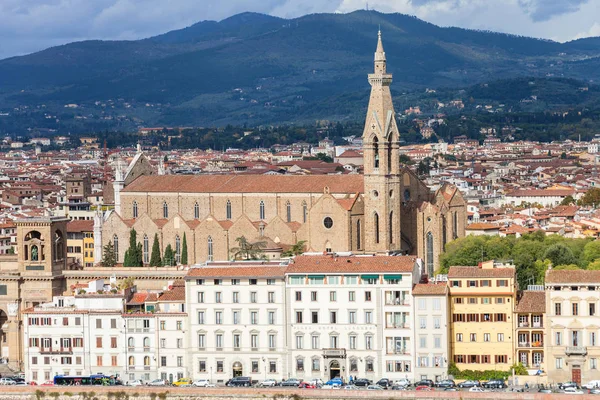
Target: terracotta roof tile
x,y
227,270
80,226
175,294
138,299
577,276
247,184
332,264
476,272
482,226
430,289
532,301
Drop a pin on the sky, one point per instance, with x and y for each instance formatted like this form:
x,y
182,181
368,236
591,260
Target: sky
x,y
27,26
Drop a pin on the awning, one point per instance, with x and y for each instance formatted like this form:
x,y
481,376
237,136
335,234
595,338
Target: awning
x,y
316,277
392,277
369,276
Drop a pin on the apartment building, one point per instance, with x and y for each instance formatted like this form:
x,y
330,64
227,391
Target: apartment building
x,y
572,349
530,334
237,320
74,335
481,311
80,242
431,330
351,316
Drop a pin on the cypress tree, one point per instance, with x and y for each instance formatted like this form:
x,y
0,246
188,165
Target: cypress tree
x,y
169,256
184,252
133,255
155,260
109,258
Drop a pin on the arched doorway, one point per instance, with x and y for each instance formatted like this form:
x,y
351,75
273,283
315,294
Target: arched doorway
x,y
334,369
237,369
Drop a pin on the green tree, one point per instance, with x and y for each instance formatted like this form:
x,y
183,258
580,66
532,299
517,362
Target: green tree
x,y
594,266
324,157
295,250
109,258
169,256
155,260
569,267
247,250
133,255
184,251
567,201
559,254
404,159
591,197
591,252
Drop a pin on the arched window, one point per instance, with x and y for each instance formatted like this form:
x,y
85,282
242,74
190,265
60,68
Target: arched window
x,y
261,210
196,210
131,360
304,212
391,227
288,211
444,233
376,223
131,342
177,249
455,226
358,244
165,210
429,250
146,250
116,247
147,361
34,253
228,210
375,153
210,249
146,342
389,154
135,209
58,246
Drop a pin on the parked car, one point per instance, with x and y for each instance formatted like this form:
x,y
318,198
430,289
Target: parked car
x,y
447,383
317,382
362,382
335,381
545,390
469,384
594,391
241,381
136,382
268,383
398,387
201,383
384,383
7,381
425,382
306,385
374,387
402,382
19,381
424,388
572,390
495,384
290,382
48,383
572,384
451,389
590,385
182,382
476,389
350,387
157,382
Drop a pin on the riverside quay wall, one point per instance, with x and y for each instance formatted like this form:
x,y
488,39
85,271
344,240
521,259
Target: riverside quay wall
x,y
164,393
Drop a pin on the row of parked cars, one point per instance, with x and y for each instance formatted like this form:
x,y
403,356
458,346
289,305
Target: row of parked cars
x,y
12,380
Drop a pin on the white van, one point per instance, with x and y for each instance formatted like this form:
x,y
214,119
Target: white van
x,y
592,384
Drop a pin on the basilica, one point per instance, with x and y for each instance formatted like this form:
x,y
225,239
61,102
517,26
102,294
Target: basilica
x,y
385,210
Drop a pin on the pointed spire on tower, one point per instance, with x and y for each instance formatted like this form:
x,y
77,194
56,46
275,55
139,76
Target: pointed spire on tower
x,y
380,55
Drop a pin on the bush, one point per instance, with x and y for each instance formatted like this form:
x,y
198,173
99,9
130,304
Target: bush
x,y
486,375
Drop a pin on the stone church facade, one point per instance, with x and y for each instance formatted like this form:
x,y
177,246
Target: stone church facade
x,y
387,209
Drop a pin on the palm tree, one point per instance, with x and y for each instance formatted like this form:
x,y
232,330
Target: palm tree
x,y
295,250
247,250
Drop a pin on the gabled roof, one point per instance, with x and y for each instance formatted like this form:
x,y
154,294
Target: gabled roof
x,y
532,301
223,270
333,264
476,272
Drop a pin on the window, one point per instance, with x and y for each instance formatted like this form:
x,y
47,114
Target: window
x,y
436,322
459,337
333,317
429,253
98,342
219,317
557,309
299,342
575,308
437,304
368,296
471,283
272,341
558,338
146,250
592,308
352,317
333,296
353,365
196,210
236,341
236,297
313,296
180,362
486,337
288,211
219,341
201,366
352,342
352,296
593,363
200,297
254,341
315,365
437,342
254,367
368,342
368,317
328,222
315,317
304,212
236,317
201,317
592,338
502,283
376,227
254,317
163,343
559,363
113,343
261,210
177,249
271,297
210,249
165,210
228,210
218,297
98,360
271,317
98,324
135,209
315,342
369,365
299,364
201,341
298,296
298,317
163,361
273,367
499,300
473,337
333,342
220,366
423,322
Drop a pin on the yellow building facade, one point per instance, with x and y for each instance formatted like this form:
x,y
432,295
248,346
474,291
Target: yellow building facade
x,y
481,307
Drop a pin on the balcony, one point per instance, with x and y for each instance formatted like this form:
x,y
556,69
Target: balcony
x,y
398,326
62,350
334,353
523,324
397,302
576,350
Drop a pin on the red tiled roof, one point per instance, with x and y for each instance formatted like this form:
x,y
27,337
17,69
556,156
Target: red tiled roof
x,y
576,276
532,301
80,226
247,184
542,192
429,289
476,272
138,299
352,264
175,294
481,226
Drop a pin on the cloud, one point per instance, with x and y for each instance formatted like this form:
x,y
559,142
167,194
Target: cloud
x,y
32,25
593,31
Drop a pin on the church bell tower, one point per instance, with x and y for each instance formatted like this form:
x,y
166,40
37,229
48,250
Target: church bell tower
x,y
381,163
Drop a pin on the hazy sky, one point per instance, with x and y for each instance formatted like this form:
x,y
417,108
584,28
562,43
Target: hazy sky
x,y
31,25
